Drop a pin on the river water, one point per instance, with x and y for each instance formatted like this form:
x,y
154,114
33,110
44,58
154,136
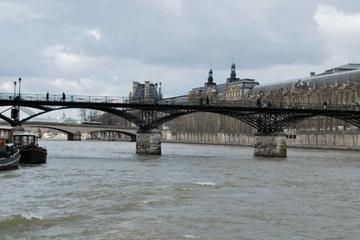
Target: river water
x,y
103,190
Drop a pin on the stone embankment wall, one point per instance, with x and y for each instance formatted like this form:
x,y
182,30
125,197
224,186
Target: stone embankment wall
x,y
344,140
208,138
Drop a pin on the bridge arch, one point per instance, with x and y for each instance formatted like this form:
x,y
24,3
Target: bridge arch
x,y
70,135
6,119
123,114
290,121
245,118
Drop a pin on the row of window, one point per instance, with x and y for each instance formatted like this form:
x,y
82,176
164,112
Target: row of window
x,y
233,94
342,97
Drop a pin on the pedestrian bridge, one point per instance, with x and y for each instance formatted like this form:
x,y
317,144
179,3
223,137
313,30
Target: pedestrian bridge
x,y
268,121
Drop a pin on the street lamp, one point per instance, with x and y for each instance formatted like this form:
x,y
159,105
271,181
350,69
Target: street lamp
x,y
14,90
19,88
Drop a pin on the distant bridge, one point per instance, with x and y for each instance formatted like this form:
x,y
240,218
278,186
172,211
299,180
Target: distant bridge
x,y
74,130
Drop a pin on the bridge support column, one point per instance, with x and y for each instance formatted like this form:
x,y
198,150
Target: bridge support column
x,y
74,137
148,142
273,145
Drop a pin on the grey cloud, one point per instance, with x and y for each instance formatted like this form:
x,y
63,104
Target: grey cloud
x,y
206,31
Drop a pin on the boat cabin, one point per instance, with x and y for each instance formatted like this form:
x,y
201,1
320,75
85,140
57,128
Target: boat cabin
x,y
6,133
24,139
2,144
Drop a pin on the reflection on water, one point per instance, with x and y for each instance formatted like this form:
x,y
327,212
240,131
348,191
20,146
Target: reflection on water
x,y
102,190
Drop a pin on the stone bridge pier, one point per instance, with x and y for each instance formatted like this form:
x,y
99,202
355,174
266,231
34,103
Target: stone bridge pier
x,y
74,137
270,145
148,141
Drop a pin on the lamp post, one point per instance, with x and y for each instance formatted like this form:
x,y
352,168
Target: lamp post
x,y
156,92
14,110
19,88
14,90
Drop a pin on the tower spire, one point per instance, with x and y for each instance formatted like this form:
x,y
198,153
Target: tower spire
x,y
210,78
232,77
233,71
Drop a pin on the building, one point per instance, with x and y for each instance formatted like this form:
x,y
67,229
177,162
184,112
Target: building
x,y
146,92
234,89
336,86
342,68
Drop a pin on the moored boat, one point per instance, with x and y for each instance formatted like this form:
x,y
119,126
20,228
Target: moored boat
x,y
9,156
31,152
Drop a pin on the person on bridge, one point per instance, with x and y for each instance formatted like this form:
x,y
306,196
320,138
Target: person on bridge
x,y
207,100
325,104
258,102
63,97
47,96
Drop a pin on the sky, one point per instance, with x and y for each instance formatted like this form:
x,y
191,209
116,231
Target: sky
x,y
100,47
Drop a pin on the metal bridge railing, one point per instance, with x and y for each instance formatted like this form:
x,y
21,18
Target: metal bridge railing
x,y
180,100
60,98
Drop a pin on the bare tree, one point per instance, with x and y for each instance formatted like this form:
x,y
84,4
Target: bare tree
x,y
83,114
89,115
93,115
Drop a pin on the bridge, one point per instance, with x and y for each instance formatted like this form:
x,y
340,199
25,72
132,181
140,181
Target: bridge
x,y
268,122
74,131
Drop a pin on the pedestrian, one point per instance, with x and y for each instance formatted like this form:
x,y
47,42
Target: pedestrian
x,y
47,96
258,102
324,105
207,100
63,97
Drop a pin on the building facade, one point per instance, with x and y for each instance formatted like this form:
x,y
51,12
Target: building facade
x,y
337,86
145,92
234,89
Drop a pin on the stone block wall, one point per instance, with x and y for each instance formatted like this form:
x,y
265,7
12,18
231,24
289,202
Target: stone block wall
x,y
348,140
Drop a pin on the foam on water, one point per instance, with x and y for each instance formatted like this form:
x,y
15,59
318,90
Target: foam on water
x,y
188,236
205,183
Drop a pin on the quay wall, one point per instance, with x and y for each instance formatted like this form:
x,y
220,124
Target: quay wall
x,y
342,140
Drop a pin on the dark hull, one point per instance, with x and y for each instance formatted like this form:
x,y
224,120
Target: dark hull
x,y
10,163
33,155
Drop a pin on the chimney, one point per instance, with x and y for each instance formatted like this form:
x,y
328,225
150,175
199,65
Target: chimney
x,y
135,87
312,74
160,93
147,89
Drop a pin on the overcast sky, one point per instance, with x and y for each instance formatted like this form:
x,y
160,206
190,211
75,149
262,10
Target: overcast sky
x,y
100,47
